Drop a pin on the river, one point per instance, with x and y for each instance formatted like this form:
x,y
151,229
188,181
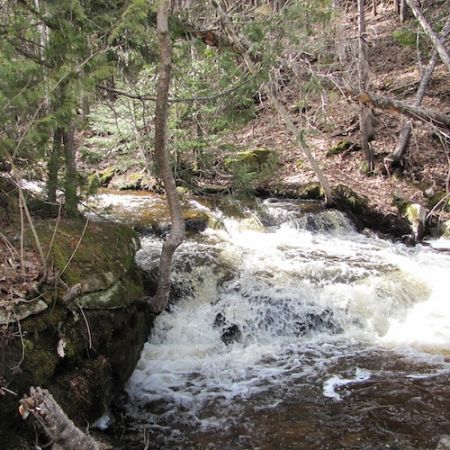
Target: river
x,y
289,330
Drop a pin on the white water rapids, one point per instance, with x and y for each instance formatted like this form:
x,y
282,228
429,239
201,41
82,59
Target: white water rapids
x,y
291,330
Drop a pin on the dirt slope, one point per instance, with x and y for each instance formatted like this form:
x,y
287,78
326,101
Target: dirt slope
x,y
330,118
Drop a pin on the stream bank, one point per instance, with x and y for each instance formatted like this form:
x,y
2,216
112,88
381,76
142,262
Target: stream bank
x,y
82,349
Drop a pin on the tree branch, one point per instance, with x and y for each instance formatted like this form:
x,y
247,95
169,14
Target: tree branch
x,y
445,57
179,100
416,112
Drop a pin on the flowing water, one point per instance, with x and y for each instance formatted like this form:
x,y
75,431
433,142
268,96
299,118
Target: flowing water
x,y
289,330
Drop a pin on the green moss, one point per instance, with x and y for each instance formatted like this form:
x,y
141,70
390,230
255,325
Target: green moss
x,y
40,364
339,147
401,204
405,37
104,249
310,191
350,199
50,318
253,159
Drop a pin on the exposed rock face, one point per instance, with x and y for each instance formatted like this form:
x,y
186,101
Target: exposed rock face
x,y
85,350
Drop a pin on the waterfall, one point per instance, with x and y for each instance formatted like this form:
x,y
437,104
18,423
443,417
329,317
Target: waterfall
x,y
280,299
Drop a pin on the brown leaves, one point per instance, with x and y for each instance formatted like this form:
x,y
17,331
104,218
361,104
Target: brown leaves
x,y
19,277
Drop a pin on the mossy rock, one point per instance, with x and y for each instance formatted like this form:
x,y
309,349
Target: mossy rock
x,y
103,339
340,147
415,214
132,181
96,363
252,159
445,229
100,179
364,216
310,191
352,201
98,257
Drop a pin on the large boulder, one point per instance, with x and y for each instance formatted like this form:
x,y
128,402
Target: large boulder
x,y
83,349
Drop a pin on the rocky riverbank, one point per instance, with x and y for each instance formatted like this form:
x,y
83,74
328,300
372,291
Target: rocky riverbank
x,y
79,335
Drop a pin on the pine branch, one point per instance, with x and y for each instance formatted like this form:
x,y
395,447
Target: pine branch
x,y
181,99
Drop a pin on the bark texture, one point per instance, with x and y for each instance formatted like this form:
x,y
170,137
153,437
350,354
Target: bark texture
x,y
53,165
58,427
365,114
71,183
415,112
176,236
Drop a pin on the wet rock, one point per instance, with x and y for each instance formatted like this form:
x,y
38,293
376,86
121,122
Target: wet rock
x,y
444,443
363,216
318,323
230,332
219,321
445,229
415,214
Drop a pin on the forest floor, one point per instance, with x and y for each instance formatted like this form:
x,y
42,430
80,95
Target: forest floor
x,y
397,55
394,72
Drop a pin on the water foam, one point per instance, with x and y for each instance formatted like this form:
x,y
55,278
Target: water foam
x,y
300,299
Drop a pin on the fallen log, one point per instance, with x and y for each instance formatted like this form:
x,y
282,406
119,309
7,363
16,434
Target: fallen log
x,y
415,112
58,427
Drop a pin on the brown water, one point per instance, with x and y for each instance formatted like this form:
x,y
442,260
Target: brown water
x,y
342,341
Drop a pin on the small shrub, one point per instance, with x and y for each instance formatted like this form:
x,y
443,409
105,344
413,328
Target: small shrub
x,y
405,37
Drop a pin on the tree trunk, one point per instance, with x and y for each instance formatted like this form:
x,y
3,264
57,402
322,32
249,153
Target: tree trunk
x,y
176,236
71,182
53,165
415,112
444,55
280,108
397,6
403,11
396,158
365,114
59,428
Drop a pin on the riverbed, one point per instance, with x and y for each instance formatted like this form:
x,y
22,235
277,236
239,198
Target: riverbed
x,y
288,329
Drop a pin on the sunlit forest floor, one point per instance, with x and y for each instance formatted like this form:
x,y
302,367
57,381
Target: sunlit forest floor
x,y
332,119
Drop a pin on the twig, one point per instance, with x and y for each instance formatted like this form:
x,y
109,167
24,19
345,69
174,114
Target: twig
x,y
87,325
180,100
75,250
54,232
21,341
5,389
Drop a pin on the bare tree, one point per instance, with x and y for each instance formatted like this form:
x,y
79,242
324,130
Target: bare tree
x,y
444,55
396,157
365,113
240,43
176,235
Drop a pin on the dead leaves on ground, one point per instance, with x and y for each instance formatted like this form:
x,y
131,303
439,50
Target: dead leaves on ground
x,y
20,275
